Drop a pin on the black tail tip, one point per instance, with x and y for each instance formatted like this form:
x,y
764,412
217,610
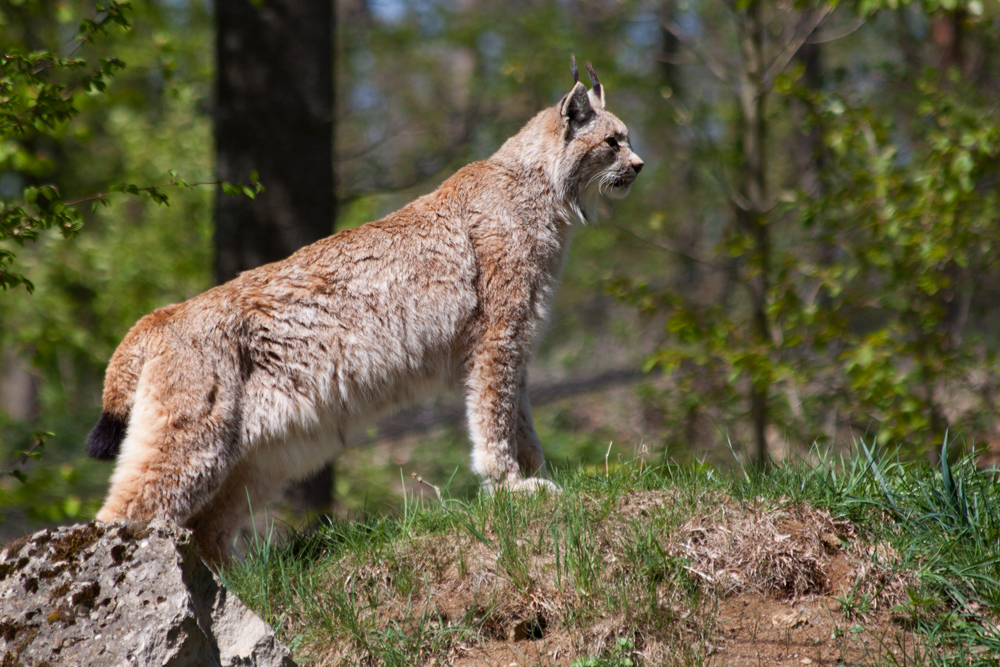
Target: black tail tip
x,y
105,439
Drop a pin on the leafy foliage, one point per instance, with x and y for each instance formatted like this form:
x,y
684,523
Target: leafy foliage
x,y
37,98
39,95
21,457
914,225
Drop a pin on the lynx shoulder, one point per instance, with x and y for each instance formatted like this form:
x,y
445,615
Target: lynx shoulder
x,y
217,401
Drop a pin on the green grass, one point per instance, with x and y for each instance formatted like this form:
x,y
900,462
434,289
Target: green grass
x,y
599,565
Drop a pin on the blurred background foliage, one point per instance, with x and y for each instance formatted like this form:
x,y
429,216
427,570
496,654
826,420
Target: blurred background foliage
x,y
809,254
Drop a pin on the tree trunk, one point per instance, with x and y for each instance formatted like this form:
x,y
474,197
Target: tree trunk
x,y
669,69
274,117
752,211
808,147
947,35
18,387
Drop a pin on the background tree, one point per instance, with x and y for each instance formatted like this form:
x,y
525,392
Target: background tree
x,y
784,352
274,123
750,71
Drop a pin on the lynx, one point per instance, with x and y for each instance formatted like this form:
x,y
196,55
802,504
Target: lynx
x,y
211,404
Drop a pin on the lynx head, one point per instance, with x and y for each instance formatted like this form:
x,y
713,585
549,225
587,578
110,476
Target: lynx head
x,y
596,156
582,149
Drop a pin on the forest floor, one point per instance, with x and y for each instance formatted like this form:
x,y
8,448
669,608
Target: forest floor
x,y
852,562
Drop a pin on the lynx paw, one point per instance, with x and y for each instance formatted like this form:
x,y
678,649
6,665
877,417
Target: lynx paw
x,y
531,485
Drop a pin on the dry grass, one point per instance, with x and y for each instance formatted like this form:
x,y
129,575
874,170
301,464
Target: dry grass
x,y
786,550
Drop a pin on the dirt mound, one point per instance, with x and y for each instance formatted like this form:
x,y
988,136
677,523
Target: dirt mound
x,y
638,578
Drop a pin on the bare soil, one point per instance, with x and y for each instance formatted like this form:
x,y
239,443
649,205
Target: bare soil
x,y
755,630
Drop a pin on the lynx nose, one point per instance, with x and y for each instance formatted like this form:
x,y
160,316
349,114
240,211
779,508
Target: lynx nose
x,y
637,164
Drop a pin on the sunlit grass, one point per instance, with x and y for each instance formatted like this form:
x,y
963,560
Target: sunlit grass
x,y
599,562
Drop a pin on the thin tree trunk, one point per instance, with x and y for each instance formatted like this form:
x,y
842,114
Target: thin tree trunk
x,y
947,35
274,118
18,387
752,215
808,147
669,69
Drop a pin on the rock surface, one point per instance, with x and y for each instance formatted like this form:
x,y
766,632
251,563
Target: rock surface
x,y
123,594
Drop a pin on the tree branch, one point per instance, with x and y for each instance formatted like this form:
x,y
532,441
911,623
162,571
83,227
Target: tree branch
x,y
793,45
823,39
448,154
713,65
663,246
149,188
671,60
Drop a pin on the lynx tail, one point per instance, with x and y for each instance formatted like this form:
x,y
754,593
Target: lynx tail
x,y
105,439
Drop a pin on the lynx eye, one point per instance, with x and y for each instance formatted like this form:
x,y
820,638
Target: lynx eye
x,y
611,141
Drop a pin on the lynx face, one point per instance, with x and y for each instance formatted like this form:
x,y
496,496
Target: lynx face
x,y
611,166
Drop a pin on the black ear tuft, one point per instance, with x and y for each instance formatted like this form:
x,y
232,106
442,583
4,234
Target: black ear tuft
x,y
573,69
598,89
576,109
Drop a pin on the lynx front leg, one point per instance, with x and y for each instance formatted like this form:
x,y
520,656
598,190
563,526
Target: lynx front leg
x,y
495,420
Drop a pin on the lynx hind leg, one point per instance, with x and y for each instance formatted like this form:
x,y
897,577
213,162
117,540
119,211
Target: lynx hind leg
x,y
179,446
255,481
247,489
530,458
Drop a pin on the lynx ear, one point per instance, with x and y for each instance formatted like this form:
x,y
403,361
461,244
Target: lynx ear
x,y
597,92
576,109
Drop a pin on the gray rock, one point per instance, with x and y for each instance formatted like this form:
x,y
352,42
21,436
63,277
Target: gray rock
x,y
115,594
